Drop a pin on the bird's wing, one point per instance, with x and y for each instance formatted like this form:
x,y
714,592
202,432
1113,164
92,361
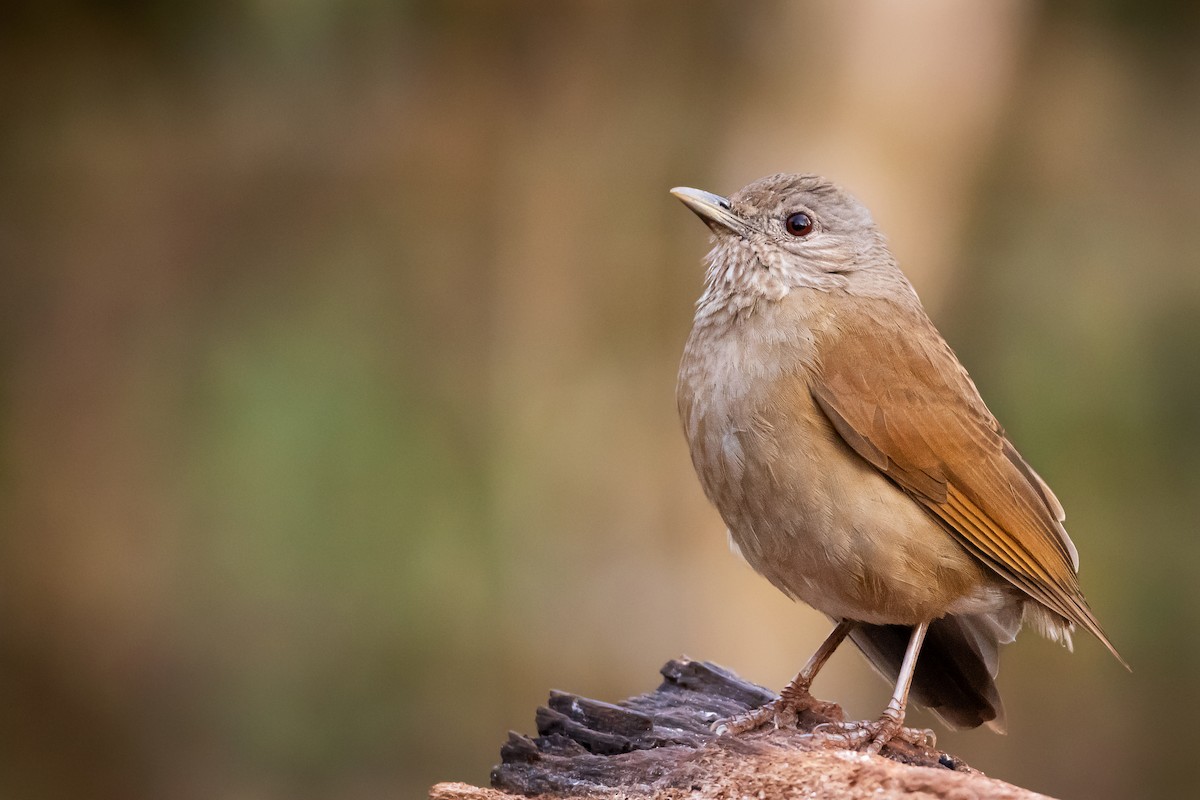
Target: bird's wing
x,y
905,404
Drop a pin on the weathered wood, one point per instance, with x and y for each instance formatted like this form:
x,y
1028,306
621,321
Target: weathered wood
x,y
660,744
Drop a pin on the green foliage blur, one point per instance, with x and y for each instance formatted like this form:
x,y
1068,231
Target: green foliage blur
x,y
338,344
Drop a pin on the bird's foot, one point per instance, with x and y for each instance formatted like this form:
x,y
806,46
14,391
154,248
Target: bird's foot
x,y
872,736
793,706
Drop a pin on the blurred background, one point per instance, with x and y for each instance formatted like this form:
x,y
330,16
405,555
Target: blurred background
x,y
338,345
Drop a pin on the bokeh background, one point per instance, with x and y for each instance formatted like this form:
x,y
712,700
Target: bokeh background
x,y
338,344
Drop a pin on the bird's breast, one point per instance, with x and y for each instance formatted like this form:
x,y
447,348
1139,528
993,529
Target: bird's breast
x,y
804,510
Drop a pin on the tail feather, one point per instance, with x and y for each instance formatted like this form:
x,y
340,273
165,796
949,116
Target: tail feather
x,y
956,669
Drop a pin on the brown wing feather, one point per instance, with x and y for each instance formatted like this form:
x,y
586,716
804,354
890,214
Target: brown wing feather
x,y
895,392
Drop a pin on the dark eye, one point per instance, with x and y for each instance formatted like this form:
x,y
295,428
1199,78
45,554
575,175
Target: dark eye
x,y
799,224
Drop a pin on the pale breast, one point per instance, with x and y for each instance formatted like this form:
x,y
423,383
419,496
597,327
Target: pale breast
x,y
806,512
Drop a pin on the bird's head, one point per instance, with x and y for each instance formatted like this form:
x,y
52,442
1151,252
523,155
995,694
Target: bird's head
x,y
785,232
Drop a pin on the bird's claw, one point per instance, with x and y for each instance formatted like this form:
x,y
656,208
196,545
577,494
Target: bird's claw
x,y
784,711
873,736
778,713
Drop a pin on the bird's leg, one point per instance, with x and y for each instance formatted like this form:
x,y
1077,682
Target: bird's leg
x,y
795,698
872,736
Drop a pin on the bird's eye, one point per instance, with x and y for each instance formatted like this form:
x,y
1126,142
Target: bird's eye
x,y
799,224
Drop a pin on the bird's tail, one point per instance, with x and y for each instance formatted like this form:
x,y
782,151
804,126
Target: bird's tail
x,y
956,669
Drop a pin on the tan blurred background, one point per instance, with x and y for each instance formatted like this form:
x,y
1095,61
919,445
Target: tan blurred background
x,y
338,344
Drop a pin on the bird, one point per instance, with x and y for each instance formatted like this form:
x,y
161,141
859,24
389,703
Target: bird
x,y
856,466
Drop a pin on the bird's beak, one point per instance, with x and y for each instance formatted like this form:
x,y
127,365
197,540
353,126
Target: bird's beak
x,y
712,208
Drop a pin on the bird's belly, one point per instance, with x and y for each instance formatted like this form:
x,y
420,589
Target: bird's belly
x,y
879,558
827,528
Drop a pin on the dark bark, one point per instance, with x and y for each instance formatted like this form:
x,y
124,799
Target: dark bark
x,y
660,744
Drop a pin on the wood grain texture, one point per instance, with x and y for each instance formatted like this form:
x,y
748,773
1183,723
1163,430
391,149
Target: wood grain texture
x,y
659,745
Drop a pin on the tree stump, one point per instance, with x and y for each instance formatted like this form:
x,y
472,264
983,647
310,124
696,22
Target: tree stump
x,y
660,745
